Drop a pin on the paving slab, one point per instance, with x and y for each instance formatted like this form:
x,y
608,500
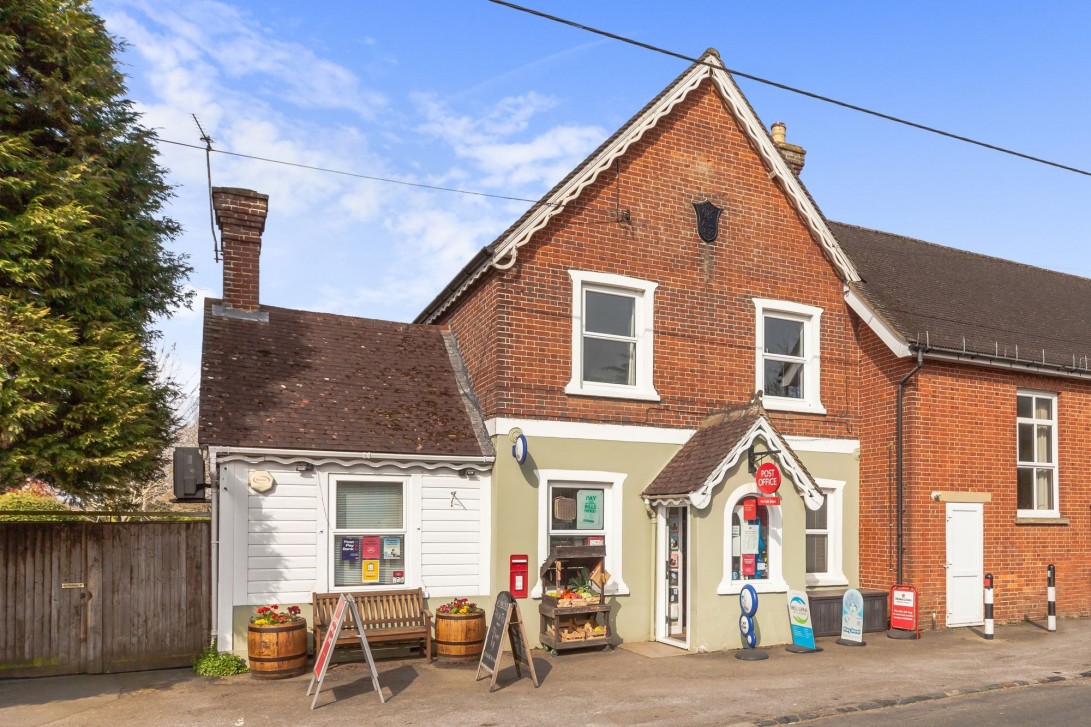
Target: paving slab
x,y
619,687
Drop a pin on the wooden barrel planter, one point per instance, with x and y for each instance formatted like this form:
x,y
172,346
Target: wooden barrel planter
x,y
277,651
460,636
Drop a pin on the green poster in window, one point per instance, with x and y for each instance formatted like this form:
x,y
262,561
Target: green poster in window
x,y
589,509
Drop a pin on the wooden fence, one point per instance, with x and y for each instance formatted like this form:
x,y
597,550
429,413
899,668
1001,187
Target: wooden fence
x,y
95,597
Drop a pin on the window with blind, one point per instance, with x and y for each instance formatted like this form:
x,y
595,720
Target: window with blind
x,y
368,534
1036,478
818,538
824,537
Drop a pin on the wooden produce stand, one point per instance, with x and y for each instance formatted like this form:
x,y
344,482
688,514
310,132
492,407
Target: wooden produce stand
x,y
574,623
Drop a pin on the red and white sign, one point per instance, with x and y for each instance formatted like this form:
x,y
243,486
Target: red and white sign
x,y
768,500
750,509
904,606
322,660
749,564
767,478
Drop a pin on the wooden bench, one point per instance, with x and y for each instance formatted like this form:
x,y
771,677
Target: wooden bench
x,y
388,616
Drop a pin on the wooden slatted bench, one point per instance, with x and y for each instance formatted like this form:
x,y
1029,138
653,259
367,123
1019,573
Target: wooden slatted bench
x,y
389,617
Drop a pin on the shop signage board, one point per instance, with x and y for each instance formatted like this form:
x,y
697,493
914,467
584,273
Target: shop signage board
x,y
506,619
350,549
767,478
322,658
799,617
852,618
904,609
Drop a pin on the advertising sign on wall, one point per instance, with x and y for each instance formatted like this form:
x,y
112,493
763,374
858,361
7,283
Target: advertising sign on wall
x,y
350,549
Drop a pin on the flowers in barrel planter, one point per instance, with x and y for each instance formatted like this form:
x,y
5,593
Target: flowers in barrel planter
x,y
272,615
460,607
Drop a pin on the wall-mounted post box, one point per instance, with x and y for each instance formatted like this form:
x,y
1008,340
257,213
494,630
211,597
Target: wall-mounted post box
x,y
518,570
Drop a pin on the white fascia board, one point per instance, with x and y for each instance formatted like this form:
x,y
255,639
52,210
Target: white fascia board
x,y
812,496
318,457
823,445
879,327
557,429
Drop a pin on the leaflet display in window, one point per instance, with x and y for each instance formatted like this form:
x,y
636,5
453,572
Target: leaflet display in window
x,y
750,542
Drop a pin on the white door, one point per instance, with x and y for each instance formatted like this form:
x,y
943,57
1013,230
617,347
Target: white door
x,y
965,563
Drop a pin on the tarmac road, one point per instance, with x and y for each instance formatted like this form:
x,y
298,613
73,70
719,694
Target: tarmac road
x,y
651,684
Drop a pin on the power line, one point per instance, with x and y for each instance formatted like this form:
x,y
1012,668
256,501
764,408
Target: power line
x,y
371,177
792,89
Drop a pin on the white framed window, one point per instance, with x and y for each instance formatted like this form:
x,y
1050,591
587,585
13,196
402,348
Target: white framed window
x,y
612,336
753,546
1036,452
369,539
580,507
787,355
824,530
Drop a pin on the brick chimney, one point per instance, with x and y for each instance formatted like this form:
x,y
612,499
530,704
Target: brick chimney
x,y
793,155
240,215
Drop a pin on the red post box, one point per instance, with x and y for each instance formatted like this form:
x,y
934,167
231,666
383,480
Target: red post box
x,y
518,569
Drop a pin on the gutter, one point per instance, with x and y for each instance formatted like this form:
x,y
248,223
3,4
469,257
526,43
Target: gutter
x,y
367,456
900,456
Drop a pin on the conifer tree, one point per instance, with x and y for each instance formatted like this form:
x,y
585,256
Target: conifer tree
x,y
85,268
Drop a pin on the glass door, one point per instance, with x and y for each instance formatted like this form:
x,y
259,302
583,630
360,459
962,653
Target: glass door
x,y
676,574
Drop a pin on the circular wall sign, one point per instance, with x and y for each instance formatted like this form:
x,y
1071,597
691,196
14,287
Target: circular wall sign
x,y
519,449
746,625
767,478
748,600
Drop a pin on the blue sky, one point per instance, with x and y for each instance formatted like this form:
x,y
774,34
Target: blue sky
x,y
476,96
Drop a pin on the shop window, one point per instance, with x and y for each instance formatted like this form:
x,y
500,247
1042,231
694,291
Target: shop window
x,y
368,541
1036,483
582,508
787,361
823,538
753,544
612,336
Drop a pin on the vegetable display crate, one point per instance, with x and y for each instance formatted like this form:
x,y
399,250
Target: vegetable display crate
x,y
573,623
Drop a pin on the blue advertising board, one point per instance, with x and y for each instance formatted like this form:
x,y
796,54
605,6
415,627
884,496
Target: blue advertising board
x,y
799,616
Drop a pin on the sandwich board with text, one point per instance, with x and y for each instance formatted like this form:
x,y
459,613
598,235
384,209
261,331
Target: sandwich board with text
x,y
506,619
322,658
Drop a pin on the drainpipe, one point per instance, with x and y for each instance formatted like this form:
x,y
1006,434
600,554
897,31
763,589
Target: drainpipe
x,y
900,462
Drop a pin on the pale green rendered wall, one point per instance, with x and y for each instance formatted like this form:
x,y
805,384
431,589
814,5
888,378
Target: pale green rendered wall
x,y
515,518
714,617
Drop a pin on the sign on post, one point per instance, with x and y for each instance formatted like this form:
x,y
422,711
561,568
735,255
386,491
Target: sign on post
x,y
506,619
799,617
852,619
322,658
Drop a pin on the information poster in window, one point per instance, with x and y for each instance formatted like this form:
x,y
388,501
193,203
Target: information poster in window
x,y
749,564
749,538
589,509
398,576
372,546
736,546
392,547
350,549
369,573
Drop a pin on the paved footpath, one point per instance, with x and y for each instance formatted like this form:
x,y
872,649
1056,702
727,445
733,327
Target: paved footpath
x,y
620,687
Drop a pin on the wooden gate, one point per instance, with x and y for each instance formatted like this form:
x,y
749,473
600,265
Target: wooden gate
x,y
92,597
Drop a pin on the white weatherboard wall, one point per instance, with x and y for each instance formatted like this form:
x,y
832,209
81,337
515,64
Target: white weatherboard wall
x,y
275,547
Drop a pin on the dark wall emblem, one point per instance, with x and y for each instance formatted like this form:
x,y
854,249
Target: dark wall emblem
x,y
708,220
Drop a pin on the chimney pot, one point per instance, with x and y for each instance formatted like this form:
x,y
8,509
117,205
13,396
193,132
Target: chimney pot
x,y
794,156
240,215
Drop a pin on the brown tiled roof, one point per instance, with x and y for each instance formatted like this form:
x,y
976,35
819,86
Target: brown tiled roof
x,y
956,300
319,381
704,451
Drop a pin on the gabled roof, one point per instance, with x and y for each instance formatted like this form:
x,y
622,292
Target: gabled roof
x,y
699,467
317,381
502,253
970,306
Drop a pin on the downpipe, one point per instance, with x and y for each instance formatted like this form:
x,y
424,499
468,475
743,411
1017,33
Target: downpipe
x,y
900,462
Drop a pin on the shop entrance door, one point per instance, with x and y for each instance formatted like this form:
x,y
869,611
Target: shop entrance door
x,y
965,563
672,611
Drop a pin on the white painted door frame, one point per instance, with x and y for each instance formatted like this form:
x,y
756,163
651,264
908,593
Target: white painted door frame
x,y
662,591
965,563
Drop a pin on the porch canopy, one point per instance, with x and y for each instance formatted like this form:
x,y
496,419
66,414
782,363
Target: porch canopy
x,y
722,439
